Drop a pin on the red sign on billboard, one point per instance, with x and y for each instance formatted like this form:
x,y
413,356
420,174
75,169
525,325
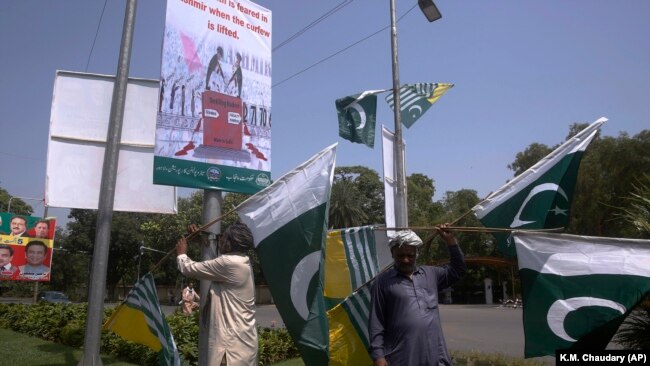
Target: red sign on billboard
x,y
222,116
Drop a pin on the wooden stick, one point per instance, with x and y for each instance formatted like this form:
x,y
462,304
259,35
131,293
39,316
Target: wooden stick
x,y
465,229
190,236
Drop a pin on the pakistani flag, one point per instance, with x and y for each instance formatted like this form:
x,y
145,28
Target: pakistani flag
x,y
577,289
415,99
140,320
541,196
289,223
357,116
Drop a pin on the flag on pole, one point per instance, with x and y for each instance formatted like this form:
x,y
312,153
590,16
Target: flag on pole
x,y
140,320
541,196
415,99
577,289
350,261
289,224
348,323
357,117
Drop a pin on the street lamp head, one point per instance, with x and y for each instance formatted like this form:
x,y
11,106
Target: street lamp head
x,y
429,10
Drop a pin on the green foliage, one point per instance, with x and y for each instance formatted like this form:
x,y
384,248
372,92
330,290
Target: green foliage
x,y
72,334
65,324
634,333
275,345
368,193
609,169
186,334
18,206
638,210
421,209
346,209
529,157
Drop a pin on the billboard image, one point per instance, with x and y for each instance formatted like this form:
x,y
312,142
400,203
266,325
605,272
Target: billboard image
x,y
213,127
26,244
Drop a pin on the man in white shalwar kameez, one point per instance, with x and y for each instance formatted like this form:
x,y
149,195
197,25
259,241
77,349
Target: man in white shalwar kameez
x,y
230,306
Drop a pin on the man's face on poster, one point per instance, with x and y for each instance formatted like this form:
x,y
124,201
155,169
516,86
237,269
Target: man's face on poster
x,y
18,225
5,257
41,230
35,255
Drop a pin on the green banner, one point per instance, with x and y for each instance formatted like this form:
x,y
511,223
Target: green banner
x,y
192,174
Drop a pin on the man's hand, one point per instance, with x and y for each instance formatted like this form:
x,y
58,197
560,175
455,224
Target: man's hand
x,y
191,228
181,246
447,235
381,362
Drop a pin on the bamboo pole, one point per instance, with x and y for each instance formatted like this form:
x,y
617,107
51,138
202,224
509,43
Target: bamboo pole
x,y
191,236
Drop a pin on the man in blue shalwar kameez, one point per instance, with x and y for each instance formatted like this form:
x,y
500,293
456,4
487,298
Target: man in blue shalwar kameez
x,y
404,325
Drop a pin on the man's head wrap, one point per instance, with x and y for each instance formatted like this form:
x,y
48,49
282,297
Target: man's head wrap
x,y
238,237
405,237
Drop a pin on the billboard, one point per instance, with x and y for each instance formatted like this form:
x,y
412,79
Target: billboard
x,y
26,244
79,119
213,128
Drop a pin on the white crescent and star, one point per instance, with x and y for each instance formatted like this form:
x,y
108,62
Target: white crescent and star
x,y
416,107
517,222
561,308
300,279
362,114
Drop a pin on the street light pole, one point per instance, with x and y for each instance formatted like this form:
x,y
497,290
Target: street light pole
x,y
401,210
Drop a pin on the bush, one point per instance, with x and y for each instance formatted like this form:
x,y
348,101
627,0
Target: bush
x,y
72,334
634,333
65,324
275,346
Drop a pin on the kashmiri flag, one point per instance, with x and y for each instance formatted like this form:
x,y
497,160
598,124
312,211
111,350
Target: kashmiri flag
x,y
577,290
289,224
140,320
350,261
357,117
540,197
348,323
415,99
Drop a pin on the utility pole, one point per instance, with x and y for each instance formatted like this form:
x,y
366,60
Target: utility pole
x,y
97,289
401,209
212,201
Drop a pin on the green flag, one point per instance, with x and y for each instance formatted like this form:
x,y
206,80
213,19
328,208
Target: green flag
x,y
415,99
289,223
140,320
577,290
357,117
541,196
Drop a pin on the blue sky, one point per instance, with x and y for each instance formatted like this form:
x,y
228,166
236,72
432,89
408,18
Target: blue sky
x,y
523,72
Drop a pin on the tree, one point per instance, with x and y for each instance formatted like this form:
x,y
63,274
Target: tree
x,y
18,206
421,209
369,191
529,157
609,170
125,243
635,333
346,207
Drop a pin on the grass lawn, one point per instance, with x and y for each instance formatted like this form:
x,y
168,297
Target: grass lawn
x,y
20,349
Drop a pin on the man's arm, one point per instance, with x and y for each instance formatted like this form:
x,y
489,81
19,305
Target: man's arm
x,y
450,274
376,326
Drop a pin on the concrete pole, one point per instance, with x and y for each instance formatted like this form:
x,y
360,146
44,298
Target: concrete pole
x,y
401,209
212,201
97,289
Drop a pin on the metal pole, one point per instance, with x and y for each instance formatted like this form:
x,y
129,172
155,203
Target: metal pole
x,y
212,201
106,196
401,210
